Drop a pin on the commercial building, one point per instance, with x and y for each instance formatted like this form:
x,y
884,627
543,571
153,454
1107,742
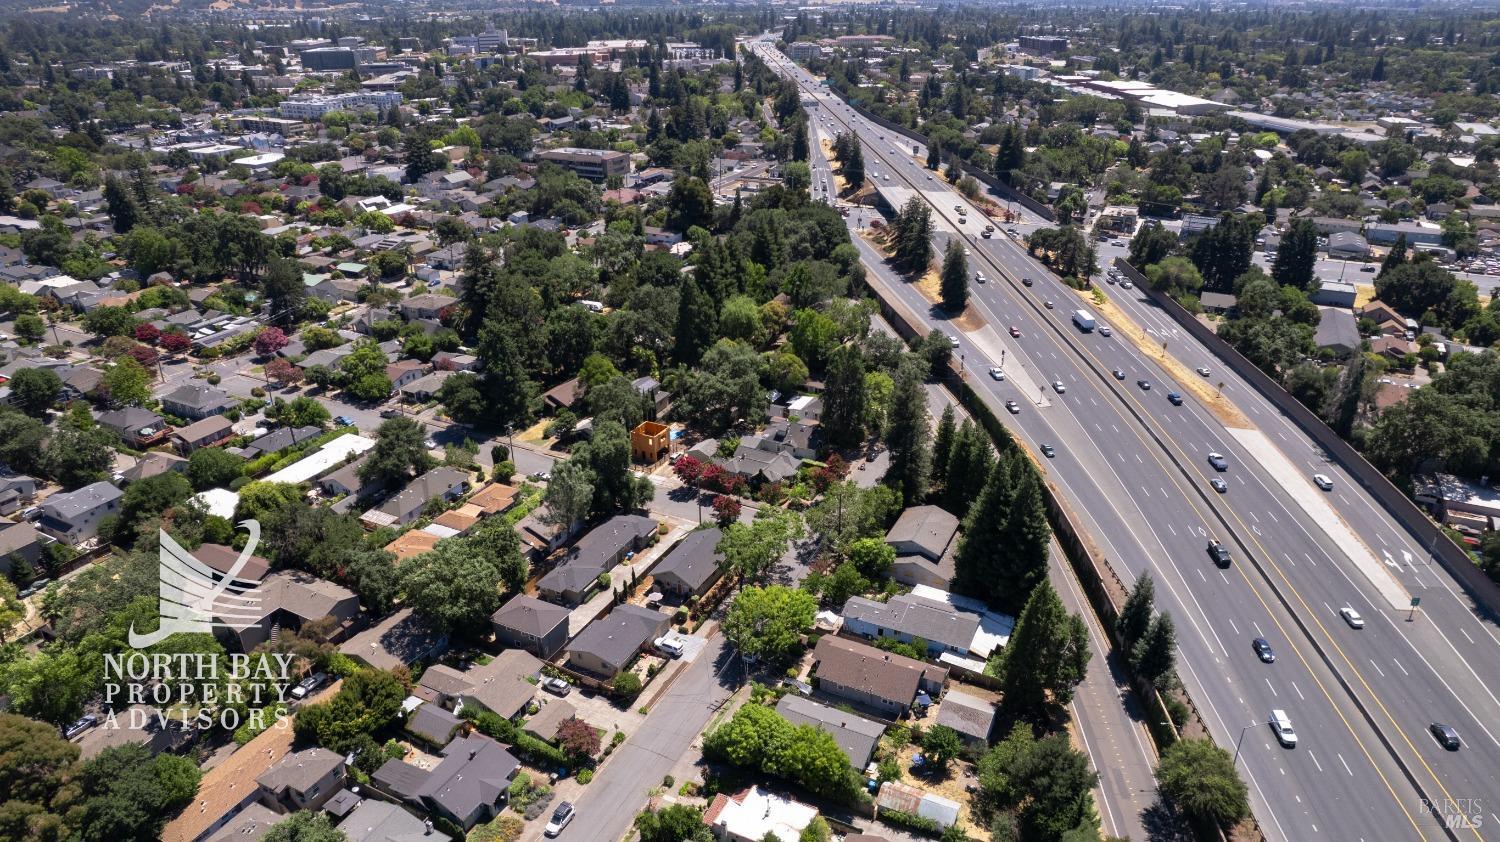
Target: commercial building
x,y
1046,45
593,164
313,108
804,51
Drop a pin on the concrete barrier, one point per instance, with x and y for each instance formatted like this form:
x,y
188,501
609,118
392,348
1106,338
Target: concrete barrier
x,y
1453,558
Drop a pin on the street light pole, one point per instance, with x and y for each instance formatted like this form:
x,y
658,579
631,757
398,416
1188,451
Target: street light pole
x,y
1237,743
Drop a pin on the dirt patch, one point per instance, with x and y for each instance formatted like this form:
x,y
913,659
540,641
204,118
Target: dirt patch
x,y
931,286
1201,388
1363,294
535,434
960,773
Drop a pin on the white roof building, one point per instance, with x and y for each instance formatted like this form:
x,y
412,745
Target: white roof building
x,y
756,813
328,457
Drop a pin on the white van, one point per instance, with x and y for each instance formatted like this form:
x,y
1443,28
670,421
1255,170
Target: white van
x,y
1281,726
592,306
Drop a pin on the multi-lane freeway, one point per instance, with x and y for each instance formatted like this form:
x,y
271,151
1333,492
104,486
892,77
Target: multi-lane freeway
x,y
1135,467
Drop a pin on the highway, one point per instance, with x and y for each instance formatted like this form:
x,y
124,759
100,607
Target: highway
x,y
1134,467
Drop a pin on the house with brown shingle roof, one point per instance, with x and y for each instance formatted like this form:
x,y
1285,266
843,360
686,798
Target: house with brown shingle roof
x,y
290,599
880,681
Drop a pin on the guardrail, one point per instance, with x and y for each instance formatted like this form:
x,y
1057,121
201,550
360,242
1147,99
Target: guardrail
x,y
1412,517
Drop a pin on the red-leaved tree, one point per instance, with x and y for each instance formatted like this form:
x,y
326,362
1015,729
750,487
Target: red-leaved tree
x,y
726,510
577,737
175,343
147,332
689,469
269,341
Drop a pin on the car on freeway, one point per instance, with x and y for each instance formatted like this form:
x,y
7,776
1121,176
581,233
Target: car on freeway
x,y
1281,726
929,178
1219,485
959,208
1218,461
1218,552
953,340
1202,372
1026,282
1119,374
560,819
1352,617
1015,332
556,686
1048,304
962,220
1447,735
1048,451
1057,386
1367,268
1323,482
1263,651
1126,285
1012,407
1174,399
1144,384
978,276
1105,331
985,234
996,373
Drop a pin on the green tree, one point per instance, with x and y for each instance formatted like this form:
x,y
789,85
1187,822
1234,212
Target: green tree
x,y
955,277
697,323
1003,553
1395,257
942,445
751,549
30,328
673,823
77,457
455,588
569,494
689,204
765,624
1151,244
213,467
109,321
908,438
305,826
844,397
967,470
872,556
1175,276
129,795
1297,255
400,453
35,390
284,290
1045,659
1154,655
1135,614
149,497
364,372
1200,779
845,581
367,702
127,383
940,745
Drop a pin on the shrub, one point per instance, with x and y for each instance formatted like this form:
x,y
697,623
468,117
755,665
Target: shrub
x,y
910,821
585,775
627,685
668,781
214,379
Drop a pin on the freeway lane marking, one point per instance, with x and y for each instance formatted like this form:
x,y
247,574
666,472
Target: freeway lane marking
x,y
1299,691
1310,559
1315,760
1346,765
1273,688
1289,559
1466,634
1145,491
1274,518
1233,625
1173,528
1377,668
1138,458
1399,667
1258,632
1201,576
1255,517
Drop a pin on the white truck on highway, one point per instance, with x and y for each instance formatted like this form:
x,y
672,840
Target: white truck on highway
x,y
1084,319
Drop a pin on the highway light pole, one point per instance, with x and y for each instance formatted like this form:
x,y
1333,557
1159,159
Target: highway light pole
x,y
1238,742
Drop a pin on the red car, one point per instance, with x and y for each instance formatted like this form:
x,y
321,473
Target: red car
x,y
1015,332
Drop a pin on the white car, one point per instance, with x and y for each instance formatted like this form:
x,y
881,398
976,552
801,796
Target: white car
x,y
997,374
1202,372
1322,481
1057,386
1352,617
953,340
1105,331
560,819
669,646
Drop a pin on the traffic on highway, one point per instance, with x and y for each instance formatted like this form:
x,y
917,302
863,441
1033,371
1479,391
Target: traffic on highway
x,y
1296,621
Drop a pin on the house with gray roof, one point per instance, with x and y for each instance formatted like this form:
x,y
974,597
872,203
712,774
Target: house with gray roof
x,y
925,540
205,432
278,440
883,682
500,686
197,400
15,491
74,516
382,821
467,786
302,780
608,644
401,639
346,481
137,427
406,505
692,566
433,724
290,599
528,623
856,735
1338,331
597,552
18,540
907,618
